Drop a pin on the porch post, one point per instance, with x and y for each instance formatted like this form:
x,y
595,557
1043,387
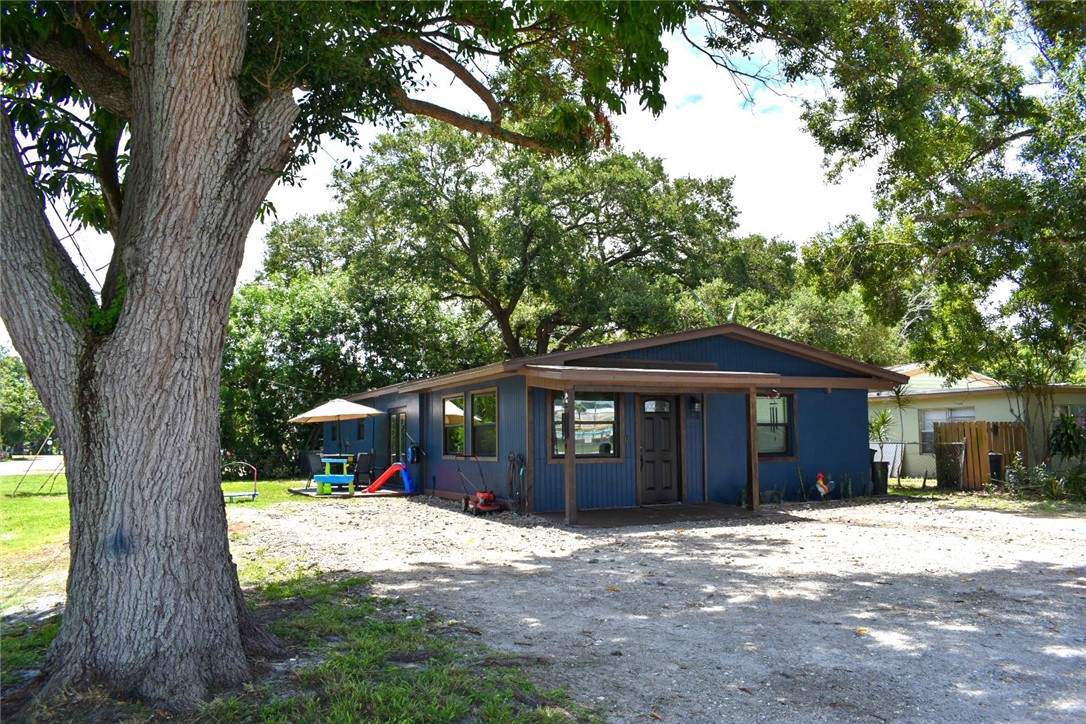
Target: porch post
x,y
753,488
570,458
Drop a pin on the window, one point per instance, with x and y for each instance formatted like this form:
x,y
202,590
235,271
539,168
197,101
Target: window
x,y
928,418
657,405
397,435
335,430
361,428
774,425
484,424
453,425
595,425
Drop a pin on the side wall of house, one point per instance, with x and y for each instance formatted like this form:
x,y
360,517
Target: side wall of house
x,y
605,483
443,472
829,437
371,434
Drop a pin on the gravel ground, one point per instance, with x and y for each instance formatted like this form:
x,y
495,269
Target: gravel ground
x,y
888,611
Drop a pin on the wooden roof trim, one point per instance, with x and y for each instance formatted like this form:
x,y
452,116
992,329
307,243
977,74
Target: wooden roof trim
x,y
735,331
685,379
477,374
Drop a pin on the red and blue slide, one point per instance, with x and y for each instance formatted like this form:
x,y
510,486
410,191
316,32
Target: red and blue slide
x,y
401,468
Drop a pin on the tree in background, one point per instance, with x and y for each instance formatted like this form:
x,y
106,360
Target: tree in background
x,y
188,116
558,253
980,252
297,339
23,419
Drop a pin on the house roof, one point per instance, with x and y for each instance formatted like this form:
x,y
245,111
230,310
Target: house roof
x,y
922,382
556,369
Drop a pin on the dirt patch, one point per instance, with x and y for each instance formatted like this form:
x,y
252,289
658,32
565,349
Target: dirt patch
x,y
902,611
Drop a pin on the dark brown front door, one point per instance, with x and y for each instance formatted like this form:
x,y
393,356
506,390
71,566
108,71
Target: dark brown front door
x,y
658,450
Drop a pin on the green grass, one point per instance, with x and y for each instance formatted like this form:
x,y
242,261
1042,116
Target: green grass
x,y
354,657
33,537
25,646
373,660
982,500
359,658
34,532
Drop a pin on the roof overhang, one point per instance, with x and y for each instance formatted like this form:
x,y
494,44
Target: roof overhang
x,y
558,377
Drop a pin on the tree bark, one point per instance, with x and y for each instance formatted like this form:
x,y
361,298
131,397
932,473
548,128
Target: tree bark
x,y
154,608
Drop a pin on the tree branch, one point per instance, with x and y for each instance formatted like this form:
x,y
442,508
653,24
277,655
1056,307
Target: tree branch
x,y
45,298
104,85
467,123
94,41
438,54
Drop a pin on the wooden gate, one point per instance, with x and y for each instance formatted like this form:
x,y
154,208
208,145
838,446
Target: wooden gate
x,y
981,438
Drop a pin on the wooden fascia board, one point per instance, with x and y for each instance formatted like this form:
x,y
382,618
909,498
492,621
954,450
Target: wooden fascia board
x,y
487,372
838,383
734,331
555,376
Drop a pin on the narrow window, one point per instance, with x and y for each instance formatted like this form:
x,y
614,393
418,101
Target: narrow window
x,y
397,435
774,425
595,425
484,424
453,425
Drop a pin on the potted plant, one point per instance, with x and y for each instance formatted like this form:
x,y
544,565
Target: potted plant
x,y
878,430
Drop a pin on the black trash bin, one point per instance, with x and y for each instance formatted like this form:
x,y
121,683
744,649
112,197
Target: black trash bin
x,y
995,462
880,479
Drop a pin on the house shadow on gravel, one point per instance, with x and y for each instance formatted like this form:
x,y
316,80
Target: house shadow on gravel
x,y
736,620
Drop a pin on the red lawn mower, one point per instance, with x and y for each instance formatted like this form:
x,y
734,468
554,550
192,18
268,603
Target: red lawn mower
x,y
476,501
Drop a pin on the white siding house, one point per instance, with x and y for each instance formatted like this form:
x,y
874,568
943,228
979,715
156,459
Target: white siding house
x,y
931,399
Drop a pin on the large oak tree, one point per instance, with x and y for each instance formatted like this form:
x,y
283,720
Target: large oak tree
x,y
166,123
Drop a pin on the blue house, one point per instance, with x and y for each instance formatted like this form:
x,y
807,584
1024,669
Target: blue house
x,y
725,414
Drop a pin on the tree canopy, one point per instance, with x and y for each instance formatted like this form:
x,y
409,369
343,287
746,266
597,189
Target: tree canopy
x,y
557,253
167,123
23,419
983,237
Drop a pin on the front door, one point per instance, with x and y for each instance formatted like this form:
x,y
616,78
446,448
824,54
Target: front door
x,y
658,450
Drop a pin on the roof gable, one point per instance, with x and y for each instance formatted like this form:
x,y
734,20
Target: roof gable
x,y
741,345
737,332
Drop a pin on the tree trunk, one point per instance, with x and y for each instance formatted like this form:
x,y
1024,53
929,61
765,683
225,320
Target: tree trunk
x,y
154,608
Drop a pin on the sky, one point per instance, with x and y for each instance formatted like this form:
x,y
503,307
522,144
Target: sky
x,y
708,129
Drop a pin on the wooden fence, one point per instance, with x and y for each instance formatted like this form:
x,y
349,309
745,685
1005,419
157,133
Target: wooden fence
x,y
980,438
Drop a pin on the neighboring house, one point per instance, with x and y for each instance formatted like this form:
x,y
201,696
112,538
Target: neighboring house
x,y
931,399
670,419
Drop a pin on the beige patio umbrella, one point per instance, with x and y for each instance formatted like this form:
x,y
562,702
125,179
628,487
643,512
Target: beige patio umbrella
x,y
335,411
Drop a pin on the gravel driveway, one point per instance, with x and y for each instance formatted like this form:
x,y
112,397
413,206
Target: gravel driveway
x,y
887,611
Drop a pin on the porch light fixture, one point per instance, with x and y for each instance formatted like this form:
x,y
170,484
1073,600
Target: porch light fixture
x,y
695,404
774,394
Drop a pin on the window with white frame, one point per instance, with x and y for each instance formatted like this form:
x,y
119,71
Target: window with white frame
x,y
928,418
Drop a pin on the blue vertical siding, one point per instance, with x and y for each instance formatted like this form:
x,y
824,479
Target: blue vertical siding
x,y
512,438
726,473
693,455
599,484
733,355
375,430
830,437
